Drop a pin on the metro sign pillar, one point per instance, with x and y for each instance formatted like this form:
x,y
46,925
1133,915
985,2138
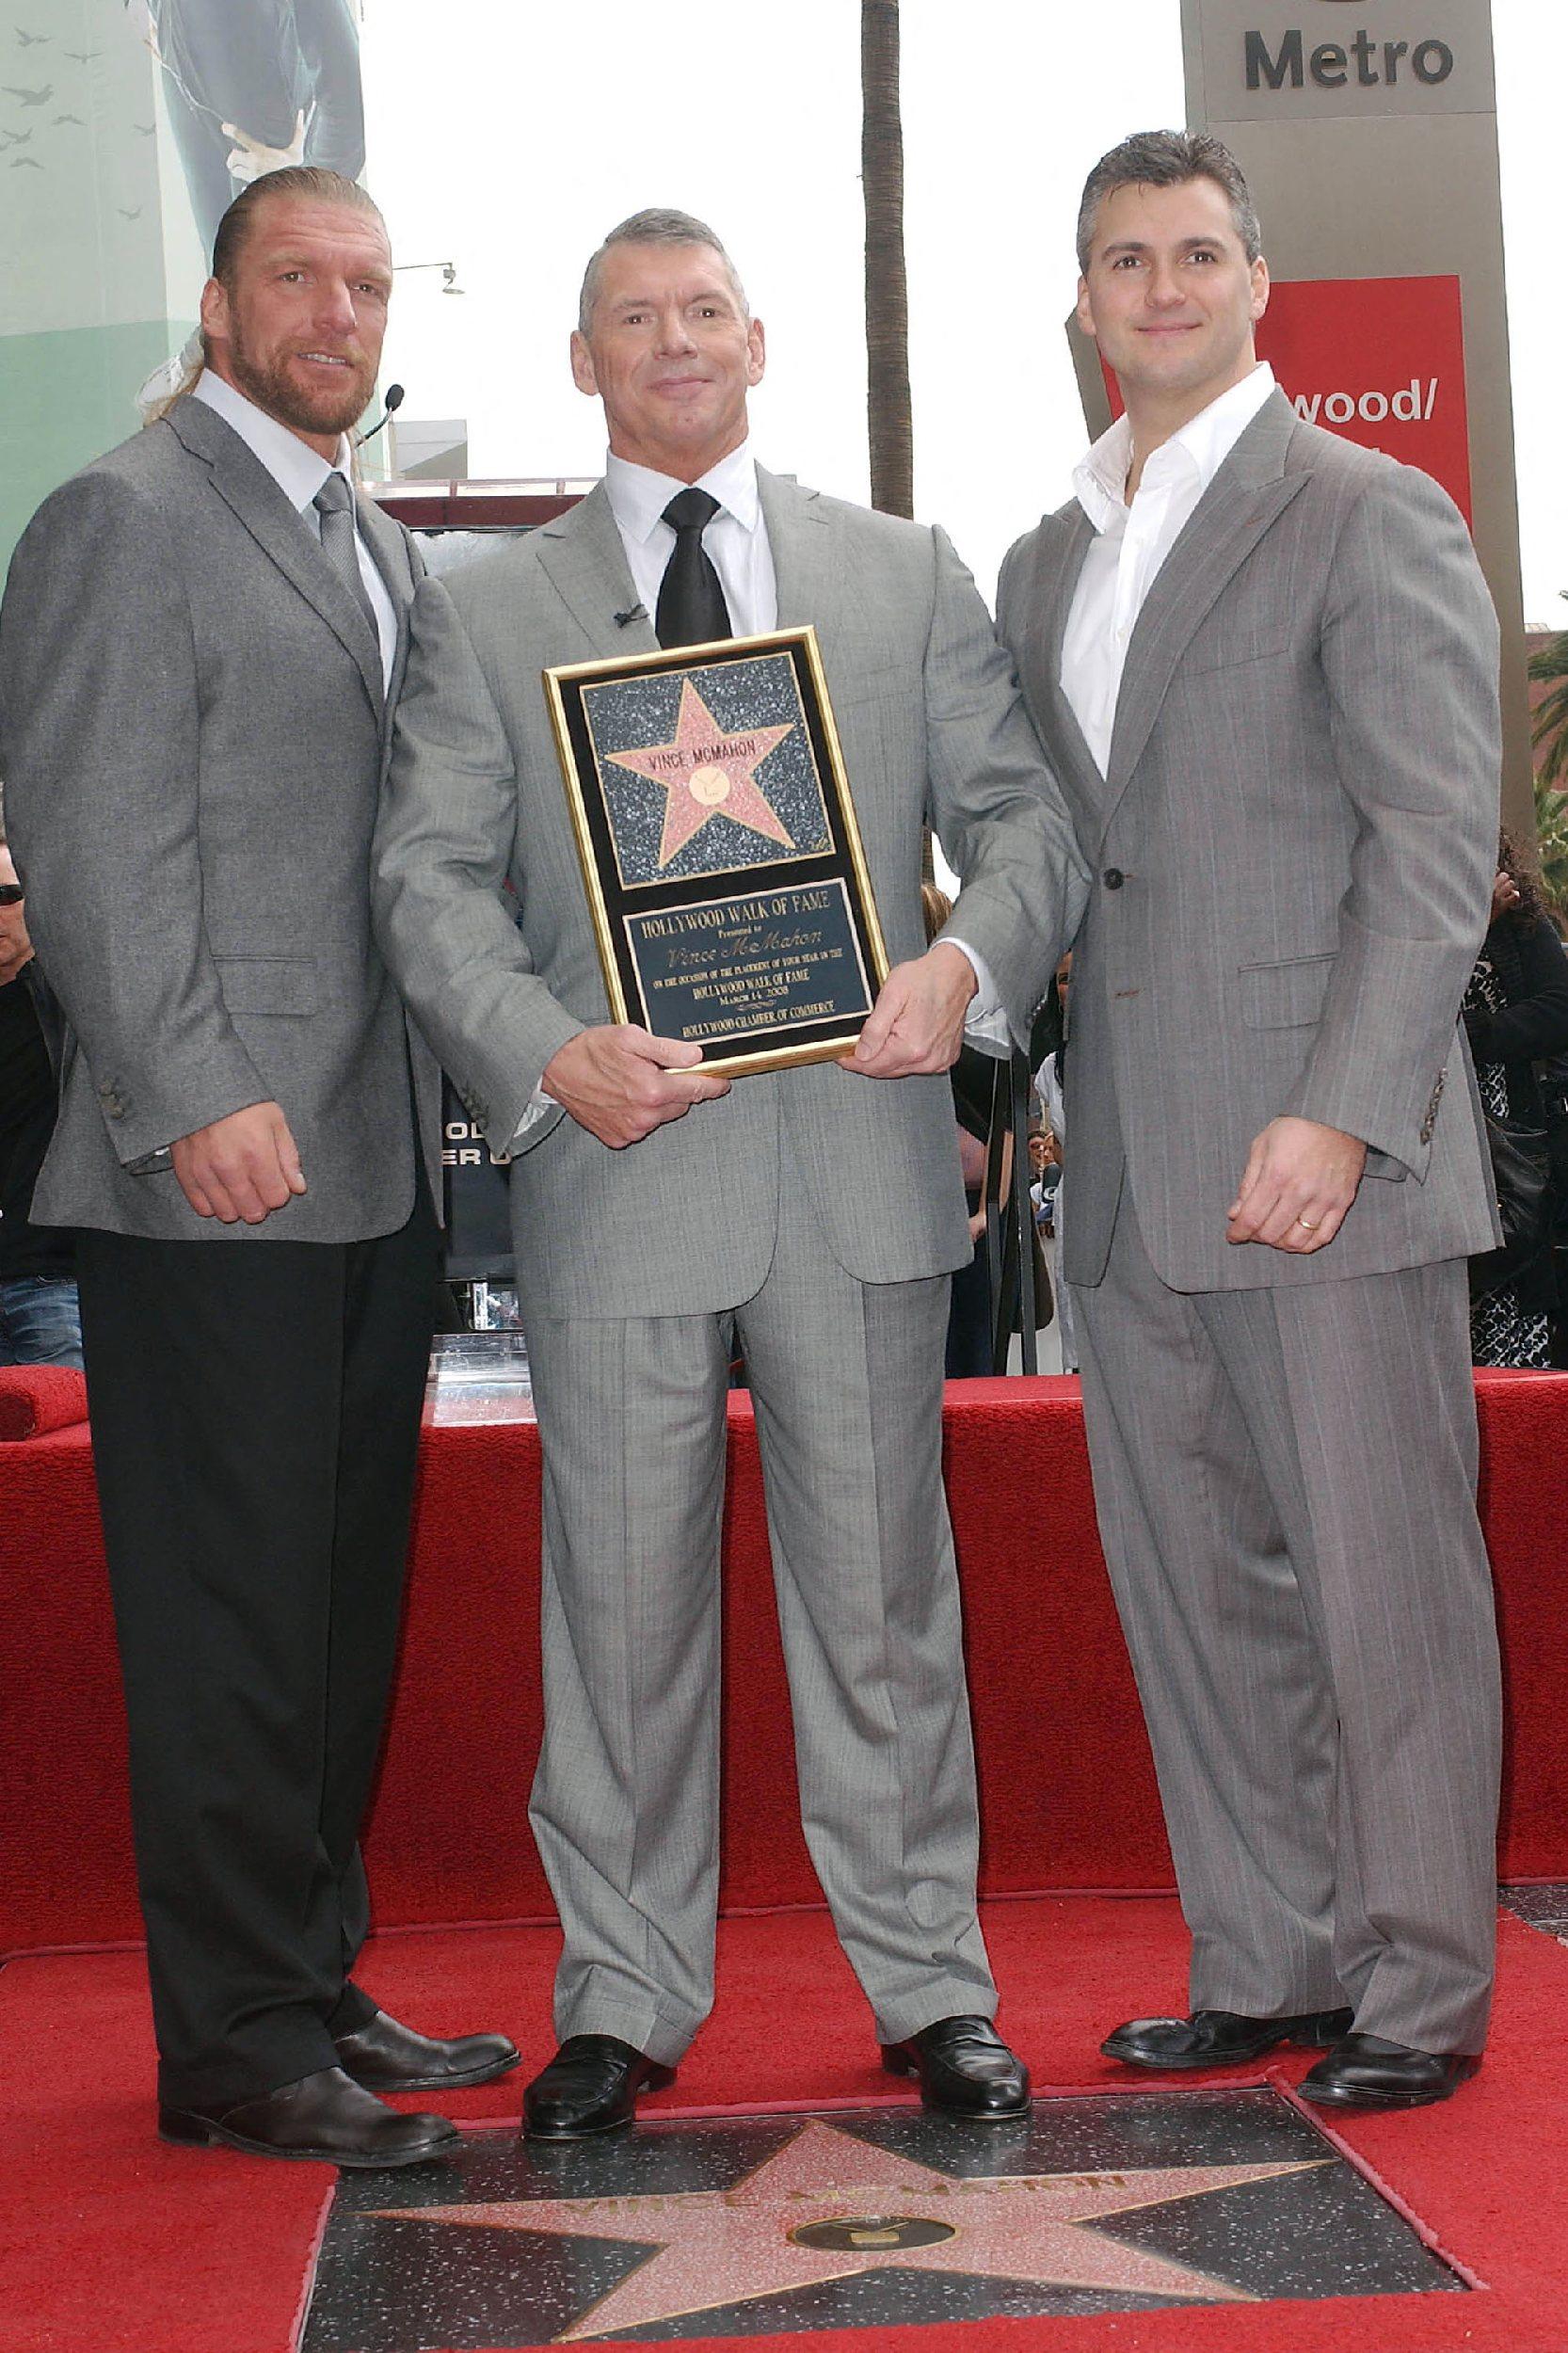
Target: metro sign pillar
x,y
1367,131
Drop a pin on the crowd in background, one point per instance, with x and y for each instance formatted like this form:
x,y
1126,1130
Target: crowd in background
x,y
1515,1015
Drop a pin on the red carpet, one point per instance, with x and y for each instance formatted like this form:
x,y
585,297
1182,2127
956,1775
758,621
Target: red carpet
x,y
110,2243
1067,1791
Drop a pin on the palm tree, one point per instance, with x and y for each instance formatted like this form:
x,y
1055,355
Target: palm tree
x,y
1551,843
888,417
889,420
1548,667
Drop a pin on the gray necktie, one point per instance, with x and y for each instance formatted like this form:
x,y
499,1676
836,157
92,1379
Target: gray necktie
x,y
334,503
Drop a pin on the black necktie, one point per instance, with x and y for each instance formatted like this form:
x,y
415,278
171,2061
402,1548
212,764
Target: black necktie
x,y
692,610
334,503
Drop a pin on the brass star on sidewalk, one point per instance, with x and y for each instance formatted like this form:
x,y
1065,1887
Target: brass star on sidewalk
x,y
705,772
829,2205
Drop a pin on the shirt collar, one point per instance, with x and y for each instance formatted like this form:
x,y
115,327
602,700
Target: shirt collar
x,y
297,469
638,496
1200,448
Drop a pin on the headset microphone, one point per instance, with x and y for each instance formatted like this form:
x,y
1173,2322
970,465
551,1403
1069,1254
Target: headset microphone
x,y
393,402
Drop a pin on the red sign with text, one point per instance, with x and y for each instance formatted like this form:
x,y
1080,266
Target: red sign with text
x,y
1379,359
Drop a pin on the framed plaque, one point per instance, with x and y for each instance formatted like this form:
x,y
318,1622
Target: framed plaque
x,y
722,863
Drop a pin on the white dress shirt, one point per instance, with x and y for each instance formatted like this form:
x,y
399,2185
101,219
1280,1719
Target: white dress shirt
x,y
299,472
1134,540
736,541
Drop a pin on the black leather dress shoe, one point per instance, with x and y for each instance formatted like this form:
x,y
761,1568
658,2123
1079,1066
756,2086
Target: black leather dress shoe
x,y
1219,2038
1364,2071
325,2116
386,2056
963,2068
590,2087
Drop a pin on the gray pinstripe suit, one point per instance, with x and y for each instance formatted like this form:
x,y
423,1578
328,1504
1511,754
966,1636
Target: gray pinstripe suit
x,y
1294,840
822,1211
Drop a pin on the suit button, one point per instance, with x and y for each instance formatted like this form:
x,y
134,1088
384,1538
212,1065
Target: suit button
x,y
1112,878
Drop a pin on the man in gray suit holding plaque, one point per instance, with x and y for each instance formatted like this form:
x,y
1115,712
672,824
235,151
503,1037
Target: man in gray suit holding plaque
x,y
1265,665
199,635
816,1211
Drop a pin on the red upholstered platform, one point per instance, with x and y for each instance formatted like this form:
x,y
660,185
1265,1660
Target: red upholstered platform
x,y
1066,1784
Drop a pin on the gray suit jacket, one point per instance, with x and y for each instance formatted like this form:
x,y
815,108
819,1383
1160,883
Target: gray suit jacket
x,y
930,720
191,716
1293,853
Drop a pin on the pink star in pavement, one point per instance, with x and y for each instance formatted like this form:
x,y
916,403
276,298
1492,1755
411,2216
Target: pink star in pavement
x,y
705,774
714,2247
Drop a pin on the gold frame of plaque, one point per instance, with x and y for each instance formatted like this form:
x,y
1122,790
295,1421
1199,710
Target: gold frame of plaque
x,y
722,910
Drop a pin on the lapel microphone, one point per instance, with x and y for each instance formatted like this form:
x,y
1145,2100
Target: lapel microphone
x,y
394,401
634,613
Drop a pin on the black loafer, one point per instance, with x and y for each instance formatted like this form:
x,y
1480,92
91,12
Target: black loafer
x,y
1364,2071
383,2056
590,2087
325,2116
963,2068
1219,2037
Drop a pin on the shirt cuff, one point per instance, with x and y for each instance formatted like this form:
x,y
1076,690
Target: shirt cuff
x,y
985,1017
537,1105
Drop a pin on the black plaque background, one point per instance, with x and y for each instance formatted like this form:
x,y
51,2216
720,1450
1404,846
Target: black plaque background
x,y
838,863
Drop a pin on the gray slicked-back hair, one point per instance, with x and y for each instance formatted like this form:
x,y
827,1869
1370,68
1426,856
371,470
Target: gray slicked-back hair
x,y
1168,159
658,225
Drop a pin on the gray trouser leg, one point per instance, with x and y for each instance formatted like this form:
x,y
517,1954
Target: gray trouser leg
x,y
625,1802
847,1382
1361,1405
1284,1481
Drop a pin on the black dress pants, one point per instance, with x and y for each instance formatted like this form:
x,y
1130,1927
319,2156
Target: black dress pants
x,y
255,1420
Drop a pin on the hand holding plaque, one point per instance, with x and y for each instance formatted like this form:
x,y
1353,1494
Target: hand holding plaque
x,y
722,863
620,1083
917,1024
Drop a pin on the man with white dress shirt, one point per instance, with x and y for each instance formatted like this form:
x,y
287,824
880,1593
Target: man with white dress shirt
x,y
200,635
816,1212
1264,663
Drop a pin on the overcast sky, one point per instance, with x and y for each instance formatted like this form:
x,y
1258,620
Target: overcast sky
x,y
508,138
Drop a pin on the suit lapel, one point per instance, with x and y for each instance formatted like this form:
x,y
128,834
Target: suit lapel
x,y
808,556
389,548
391,551
1064,541
277,527
1247,495
581,554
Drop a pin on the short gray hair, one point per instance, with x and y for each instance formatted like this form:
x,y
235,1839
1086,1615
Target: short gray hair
x,y
659,224
1168,159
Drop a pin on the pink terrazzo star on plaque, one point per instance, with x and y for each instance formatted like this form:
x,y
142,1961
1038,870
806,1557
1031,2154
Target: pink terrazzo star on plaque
x,y
706,773
829,2204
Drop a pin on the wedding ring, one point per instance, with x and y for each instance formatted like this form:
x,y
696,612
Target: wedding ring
x,y
1311,1223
